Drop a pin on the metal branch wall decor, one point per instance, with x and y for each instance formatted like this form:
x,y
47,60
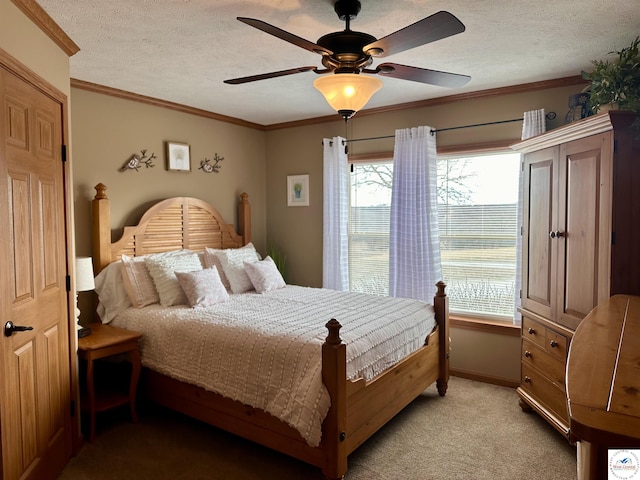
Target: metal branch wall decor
x,y
208,167
136,161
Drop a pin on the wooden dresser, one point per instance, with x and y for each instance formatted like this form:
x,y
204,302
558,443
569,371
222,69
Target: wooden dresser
x,y
603,390
580,237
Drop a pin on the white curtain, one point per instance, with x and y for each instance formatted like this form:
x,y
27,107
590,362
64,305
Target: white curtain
x,y
414,240
335,261
534,123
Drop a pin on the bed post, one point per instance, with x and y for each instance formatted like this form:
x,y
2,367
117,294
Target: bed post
x,y
101,229
244,218
334,375
441,305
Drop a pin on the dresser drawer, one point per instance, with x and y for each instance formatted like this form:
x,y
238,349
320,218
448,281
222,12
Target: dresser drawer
x,y
545,391
556,345
550,366
534,332
553,342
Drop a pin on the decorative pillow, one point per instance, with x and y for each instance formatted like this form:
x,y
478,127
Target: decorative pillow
x,y
264,275
112,296
232,261
138,282
203,288
162,269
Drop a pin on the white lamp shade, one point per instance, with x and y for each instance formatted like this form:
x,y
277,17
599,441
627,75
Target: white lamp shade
x,y
347,91
84,274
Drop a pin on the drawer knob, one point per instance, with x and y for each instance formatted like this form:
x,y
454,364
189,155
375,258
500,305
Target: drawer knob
x,y
553,344
527,379
527,353
531,331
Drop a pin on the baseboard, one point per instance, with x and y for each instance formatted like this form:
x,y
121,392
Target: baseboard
x,y
503,382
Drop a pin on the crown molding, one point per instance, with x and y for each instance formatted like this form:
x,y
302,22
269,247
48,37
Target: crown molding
x,y
42,19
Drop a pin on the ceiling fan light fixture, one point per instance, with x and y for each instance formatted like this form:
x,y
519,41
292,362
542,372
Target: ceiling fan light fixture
x,y
347,93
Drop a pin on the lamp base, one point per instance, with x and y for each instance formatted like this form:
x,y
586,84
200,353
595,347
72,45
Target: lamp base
x,y
84,332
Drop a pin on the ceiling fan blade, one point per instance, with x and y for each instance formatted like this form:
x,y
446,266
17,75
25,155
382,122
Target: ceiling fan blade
x,y
286,36
264,76
423,75
435,27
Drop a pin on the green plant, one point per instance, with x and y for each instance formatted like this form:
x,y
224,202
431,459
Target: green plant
x,y
279,259
616,81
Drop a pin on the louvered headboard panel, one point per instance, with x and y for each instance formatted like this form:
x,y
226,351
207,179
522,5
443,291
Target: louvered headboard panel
x,y
171,224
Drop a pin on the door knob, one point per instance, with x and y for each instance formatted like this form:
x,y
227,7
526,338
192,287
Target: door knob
x,y
9,328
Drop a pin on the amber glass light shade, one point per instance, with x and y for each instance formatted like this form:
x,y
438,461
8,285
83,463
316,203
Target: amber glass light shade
x,y
347,92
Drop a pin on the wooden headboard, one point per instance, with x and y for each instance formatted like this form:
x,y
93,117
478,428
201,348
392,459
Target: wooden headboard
x,y
171,224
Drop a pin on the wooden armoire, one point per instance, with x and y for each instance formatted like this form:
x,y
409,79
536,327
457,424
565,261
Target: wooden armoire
x,y
580,243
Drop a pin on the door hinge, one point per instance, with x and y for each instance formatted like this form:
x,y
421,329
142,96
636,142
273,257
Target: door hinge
x,y
72,408
64,153
67,280
613,238
615,146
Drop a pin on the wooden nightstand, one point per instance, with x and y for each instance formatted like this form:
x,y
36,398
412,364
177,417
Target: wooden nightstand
x,y
105,341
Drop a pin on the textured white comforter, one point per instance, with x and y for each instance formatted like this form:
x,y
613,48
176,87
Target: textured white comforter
x,y
265,350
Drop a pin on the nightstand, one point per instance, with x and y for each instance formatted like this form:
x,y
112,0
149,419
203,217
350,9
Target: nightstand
x,y
107,341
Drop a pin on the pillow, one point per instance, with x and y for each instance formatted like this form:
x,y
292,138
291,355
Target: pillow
x,y
233,261
264,275
112,296
203,288
138,282
212,260
162,269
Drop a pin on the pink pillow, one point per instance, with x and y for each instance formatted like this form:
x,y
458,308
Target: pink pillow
x,y
264,275
203,288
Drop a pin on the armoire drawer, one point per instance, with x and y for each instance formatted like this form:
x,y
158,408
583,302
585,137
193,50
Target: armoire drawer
x,y
550,366
552,342
545,391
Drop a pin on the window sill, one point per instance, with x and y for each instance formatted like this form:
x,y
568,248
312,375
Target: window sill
x,y
487,326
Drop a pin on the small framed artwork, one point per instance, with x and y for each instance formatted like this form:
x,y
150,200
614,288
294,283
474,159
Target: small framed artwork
x,y
178,157
298,190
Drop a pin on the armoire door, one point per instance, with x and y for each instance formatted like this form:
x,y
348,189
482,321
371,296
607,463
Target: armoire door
x,y
539,281
584,226
35,420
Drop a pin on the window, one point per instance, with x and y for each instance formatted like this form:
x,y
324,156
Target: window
x,y
478,220
477,207
370,204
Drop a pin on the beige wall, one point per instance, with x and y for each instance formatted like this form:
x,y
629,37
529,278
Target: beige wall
x,y
108,130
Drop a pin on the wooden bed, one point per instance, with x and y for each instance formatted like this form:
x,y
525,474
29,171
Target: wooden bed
x,y
358,408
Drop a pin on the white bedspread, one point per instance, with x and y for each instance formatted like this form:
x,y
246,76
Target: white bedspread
x,y
265,350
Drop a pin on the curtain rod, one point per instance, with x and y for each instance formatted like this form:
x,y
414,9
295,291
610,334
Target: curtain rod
x,y
550,116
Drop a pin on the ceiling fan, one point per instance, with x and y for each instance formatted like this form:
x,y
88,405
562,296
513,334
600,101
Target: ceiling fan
x,y
351,52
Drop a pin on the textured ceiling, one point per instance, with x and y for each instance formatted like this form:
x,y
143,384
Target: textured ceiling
x,y
182,50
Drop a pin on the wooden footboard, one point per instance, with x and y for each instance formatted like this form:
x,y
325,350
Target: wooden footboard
x,y
358,408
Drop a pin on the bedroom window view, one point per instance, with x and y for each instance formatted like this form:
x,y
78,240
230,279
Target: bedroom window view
x,y
477,211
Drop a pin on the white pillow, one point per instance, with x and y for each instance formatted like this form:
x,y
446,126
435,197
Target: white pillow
x,y
138,282
162,269
112,296
203,288
232,261
211,260
264,275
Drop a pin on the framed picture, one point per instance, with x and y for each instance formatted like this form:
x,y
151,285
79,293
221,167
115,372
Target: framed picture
x,y
178,157
298,190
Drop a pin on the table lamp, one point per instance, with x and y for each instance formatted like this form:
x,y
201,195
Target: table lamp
x,y
84,283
